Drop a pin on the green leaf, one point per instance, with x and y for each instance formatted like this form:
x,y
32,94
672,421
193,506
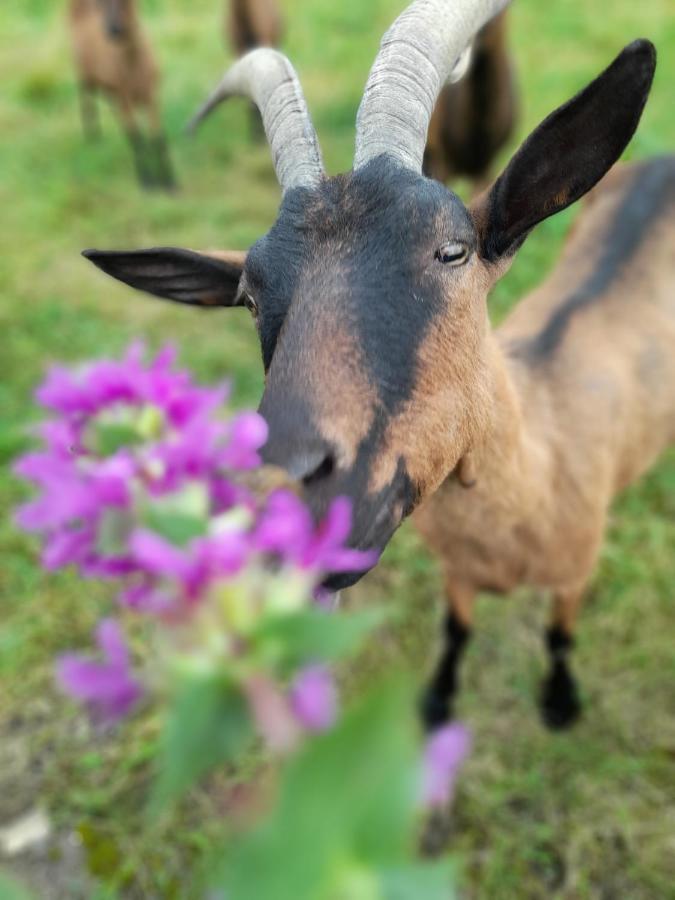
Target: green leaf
x,y
109,437
11,890
179,517
432,881
316,635
208,724
347,803
176,528
113,532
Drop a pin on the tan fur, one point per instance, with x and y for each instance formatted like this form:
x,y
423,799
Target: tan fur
x,y
346,423
252,23
450,388
124,69
564,436
480,108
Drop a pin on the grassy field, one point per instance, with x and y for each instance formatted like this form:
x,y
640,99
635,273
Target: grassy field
x,y
589,814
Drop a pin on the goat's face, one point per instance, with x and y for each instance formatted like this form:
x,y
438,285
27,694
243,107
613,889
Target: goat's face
x,y
369,290
370,304
369,299
116,17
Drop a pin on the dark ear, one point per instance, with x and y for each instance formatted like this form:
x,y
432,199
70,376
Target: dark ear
x,y
567,154
182,275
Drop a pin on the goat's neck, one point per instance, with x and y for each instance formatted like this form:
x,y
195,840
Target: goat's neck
x,y
509,458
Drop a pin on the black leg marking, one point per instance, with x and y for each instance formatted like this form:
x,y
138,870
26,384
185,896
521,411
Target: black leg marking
x,y
140,151
164,170
560,704
437,701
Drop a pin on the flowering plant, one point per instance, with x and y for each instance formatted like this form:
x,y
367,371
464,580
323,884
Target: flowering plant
x,y
141,480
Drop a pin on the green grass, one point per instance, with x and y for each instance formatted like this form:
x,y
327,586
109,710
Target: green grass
x,y
590,814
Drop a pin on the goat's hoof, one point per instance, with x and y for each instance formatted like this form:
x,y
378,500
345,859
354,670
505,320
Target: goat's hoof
x,y
435,711
560,704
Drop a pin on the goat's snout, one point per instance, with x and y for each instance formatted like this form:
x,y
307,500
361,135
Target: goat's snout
x,y
310,462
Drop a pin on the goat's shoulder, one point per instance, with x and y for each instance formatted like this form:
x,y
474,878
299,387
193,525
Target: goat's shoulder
x,y
610,244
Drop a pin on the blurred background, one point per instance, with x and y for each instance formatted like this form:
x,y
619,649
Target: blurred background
x,y
588,814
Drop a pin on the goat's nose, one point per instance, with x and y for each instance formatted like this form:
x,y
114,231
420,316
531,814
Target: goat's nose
x,y
308,465
313,466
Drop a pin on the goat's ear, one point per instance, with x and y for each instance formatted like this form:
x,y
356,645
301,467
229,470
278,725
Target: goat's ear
x,y
567,154
199,279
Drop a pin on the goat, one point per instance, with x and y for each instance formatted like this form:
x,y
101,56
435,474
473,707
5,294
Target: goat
x,y
250,24
475,116
113,57
384,381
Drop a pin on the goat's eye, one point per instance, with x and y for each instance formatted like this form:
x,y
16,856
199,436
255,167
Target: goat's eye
x,y
453,254
250,304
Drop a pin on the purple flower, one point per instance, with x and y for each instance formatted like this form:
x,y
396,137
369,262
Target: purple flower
x,y
136,453
286,529
313,698
108,687
191,569
247,434
445,751
76,394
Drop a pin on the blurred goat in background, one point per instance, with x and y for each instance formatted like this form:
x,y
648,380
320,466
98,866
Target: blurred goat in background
x,y
250,24
113,57
475,117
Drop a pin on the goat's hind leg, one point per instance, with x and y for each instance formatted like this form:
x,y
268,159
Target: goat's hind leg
x,y
438,698
560,704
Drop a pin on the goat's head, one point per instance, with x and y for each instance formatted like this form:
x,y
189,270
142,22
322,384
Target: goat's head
x,y
369,291
116,17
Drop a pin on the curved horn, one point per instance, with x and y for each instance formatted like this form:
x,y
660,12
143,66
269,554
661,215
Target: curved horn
x,y
270,81
426,44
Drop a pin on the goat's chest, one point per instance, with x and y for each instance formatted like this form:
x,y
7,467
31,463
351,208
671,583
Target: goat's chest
x,y
497,544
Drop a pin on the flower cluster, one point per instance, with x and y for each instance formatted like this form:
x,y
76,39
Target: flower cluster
x,y
139,481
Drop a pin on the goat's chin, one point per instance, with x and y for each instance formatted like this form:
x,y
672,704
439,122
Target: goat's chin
x,y
342,580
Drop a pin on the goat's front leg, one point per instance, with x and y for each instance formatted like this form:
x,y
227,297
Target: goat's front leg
x,y
560,704
89,112
163,173
438,698
136,140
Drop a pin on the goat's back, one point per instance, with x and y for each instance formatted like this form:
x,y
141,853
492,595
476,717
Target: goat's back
x,y
595,344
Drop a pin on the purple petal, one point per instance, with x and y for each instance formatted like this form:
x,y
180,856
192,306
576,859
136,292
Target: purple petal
x,y
108,688
285,526
344,559
313,698
336,526
110,638
66,548
445,751
108,567
146,597
157,556
248,433
62,392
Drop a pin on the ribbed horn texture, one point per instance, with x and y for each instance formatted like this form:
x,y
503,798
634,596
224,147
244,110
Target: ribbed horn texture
x,y
424,46
270,81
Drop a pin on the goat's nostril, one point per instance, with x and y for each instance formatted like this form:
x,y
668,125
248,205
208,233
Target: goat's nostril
x,y
307,460
323,470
